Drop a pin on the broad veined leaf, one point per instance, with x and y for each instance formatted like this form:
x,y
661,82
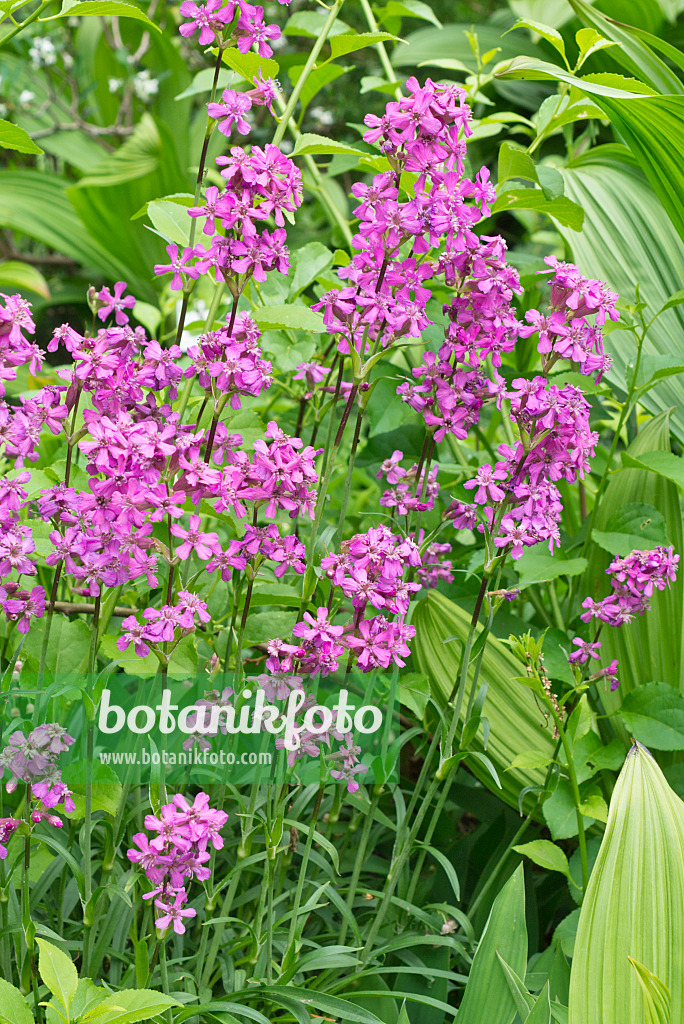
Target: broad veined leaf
x,y
603,86
649,647
546,855
626,241
14,274
634,903
514,719
654,715
14,137
36,204
656,995
487,995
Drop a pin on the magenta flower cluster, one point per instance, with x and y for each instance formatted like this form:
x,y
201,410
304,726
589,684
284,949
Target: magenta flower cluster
x,y
178,853
246,21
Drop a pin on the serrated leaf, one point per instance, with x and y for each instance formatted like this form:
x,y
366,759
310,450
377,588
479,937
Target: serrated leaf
x,y
640,867
343,44
94,8
250,64
14,137
58,972
310,144
590,41
546,855
13,1006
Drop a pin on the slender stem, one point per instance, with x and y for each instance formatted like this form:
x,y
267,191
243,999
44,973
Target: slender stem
x,y
164,972
577,799
24,24
381,48
302,869
308,68
358,863
350,474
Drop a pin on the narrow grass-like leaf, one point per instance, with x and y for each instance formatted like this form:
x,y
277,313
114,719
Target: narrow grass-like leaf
x,y
634,903
656,995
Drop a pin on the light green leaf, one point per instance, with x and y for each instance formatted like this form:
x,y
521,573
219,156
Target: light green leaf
x,y
541,1011
171,220
487,995
537,565
634,55
58,972
640,867
546,855
106,791
309,144
545,31
14,137
530,759
590,41
634,527
656,995
663,463
133,1005
562,209
408,9
249,64
139,155
109,8
298,318
309,261
603,85
14,274
13,1006
315,81
341,45
203,82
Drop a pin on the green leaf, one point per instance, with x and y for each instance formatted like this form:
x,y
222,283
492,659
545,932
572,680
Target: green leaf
x,y
541,1011
562,209
330,1005
58,972
319,145
13,1006
106,789
635,56
68,645
546,855
407,9
414,692
203,82
615,87
309,261
521,997
663,463
298,318
315,81
530,759
109,8
537,565
132,1005
36,205
656,995
171,220
560,813
14,137
341,45
515,162
640,867
639,645
265,625
545,31
654,714
250,64
513,715
487,995
590,41
634,527
139,155
626,240
14,274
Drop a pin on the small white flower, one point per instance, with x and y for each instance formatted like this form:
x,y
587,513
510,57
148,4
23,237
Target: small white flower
x,y
4,110
68,60
115,84
42,52
322,116
145,86
25,97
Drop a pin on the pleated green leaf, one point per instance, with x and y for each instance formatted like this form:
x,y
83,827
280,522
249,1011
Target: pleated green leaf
x,y
626,240
634,904
515,721
487,996
649,649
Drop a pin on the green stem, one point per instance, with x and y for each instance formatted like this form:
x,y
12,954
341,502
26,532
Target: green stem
x,y
302,869
358,862
577,799
381,48
308,68
24,24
